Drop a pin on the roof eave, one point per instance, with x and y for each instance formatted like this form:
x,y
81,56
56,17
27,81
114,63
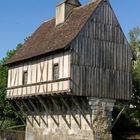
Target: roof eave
x,y
37,56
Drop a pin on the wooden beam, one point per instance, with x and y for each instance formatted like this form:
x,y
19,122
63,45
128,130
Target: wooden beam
x,y
26,106
34,94
47,110
81,111
23,112
117,118
67,106
37,112
63,116
17,113
39,83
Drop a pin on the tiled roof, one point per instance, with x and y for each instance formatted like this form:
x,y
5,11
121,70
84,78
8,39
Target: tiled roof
x,y
48,37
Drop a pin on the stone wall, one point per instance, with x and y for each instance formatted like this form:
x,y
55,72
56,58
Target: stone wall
x,y
94,125
102,118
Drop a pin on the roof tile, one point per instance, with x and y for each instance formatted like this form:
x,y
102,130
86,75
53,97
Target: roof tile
x,y
48,37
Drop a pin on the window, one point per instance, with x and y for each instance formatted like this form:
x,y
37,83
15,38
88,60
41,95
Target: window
x,y
25,77
55,71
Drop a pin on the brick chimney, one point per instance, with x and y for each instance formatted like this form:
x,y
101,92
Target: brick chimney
x,y
64,9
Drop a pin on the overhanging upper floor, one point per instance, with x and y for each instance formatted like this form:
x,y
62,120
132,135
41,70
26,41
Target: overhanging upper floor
x,y
47,75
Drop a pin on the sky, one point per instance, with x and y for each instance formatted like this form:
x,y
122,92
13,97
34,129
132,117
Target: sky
x,y
20,18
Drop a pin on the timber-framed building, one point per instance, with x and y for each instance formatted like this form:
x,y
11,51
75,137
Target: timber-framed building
x,y
70,72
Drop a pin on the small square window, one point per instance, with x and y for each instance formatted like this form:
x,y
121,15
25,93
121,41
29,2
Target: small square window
x,y
55,71
25,78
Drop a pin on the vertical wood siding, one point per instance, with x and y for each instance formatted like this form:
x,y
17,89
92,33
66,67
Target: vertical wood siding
x,y
101,58
40,71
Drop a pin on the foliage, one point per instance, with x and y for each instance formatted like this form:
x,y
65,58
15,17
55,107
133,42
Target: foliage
x,y
7,123
10,53
135,45
134,35
6,112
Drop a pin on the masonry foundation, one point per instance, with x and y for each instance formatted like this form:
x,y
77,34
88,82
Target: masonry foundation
x,y
102,118
94,124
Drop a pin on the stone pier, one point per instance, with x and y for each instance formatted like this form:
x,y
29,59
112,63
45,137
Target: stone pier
x,y
102,117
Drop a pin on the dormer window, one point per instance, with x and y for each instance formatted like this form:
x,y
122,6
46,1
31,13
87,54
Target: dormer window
x,y
25,77
55,71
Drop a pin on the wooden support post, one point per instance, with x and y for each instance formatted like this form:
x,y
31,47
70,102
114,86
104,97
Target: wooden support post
x,y
117,118
47,110
67,106
37,112
84,116
63,116
85,104
23,112
30,112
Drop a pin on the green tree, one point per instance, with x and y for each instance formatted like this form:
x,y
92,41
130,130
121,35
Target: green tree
x,y
135,45
6,112
134,36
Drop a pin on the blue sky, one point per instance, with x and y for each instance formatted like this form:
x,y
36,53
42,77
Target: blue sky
x,y
20,18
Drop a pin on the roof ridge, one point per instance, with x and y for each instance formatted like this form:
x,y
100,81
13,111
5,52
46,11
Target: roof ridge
x,y
49,20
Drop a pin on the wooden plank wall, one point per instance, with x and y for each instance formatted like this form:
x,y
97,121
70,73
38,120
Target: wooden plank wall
x,y
40,79
101,58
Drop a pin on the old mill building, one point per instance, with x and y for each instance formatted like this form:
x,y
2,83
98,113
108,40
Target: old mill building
x,y
70,72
